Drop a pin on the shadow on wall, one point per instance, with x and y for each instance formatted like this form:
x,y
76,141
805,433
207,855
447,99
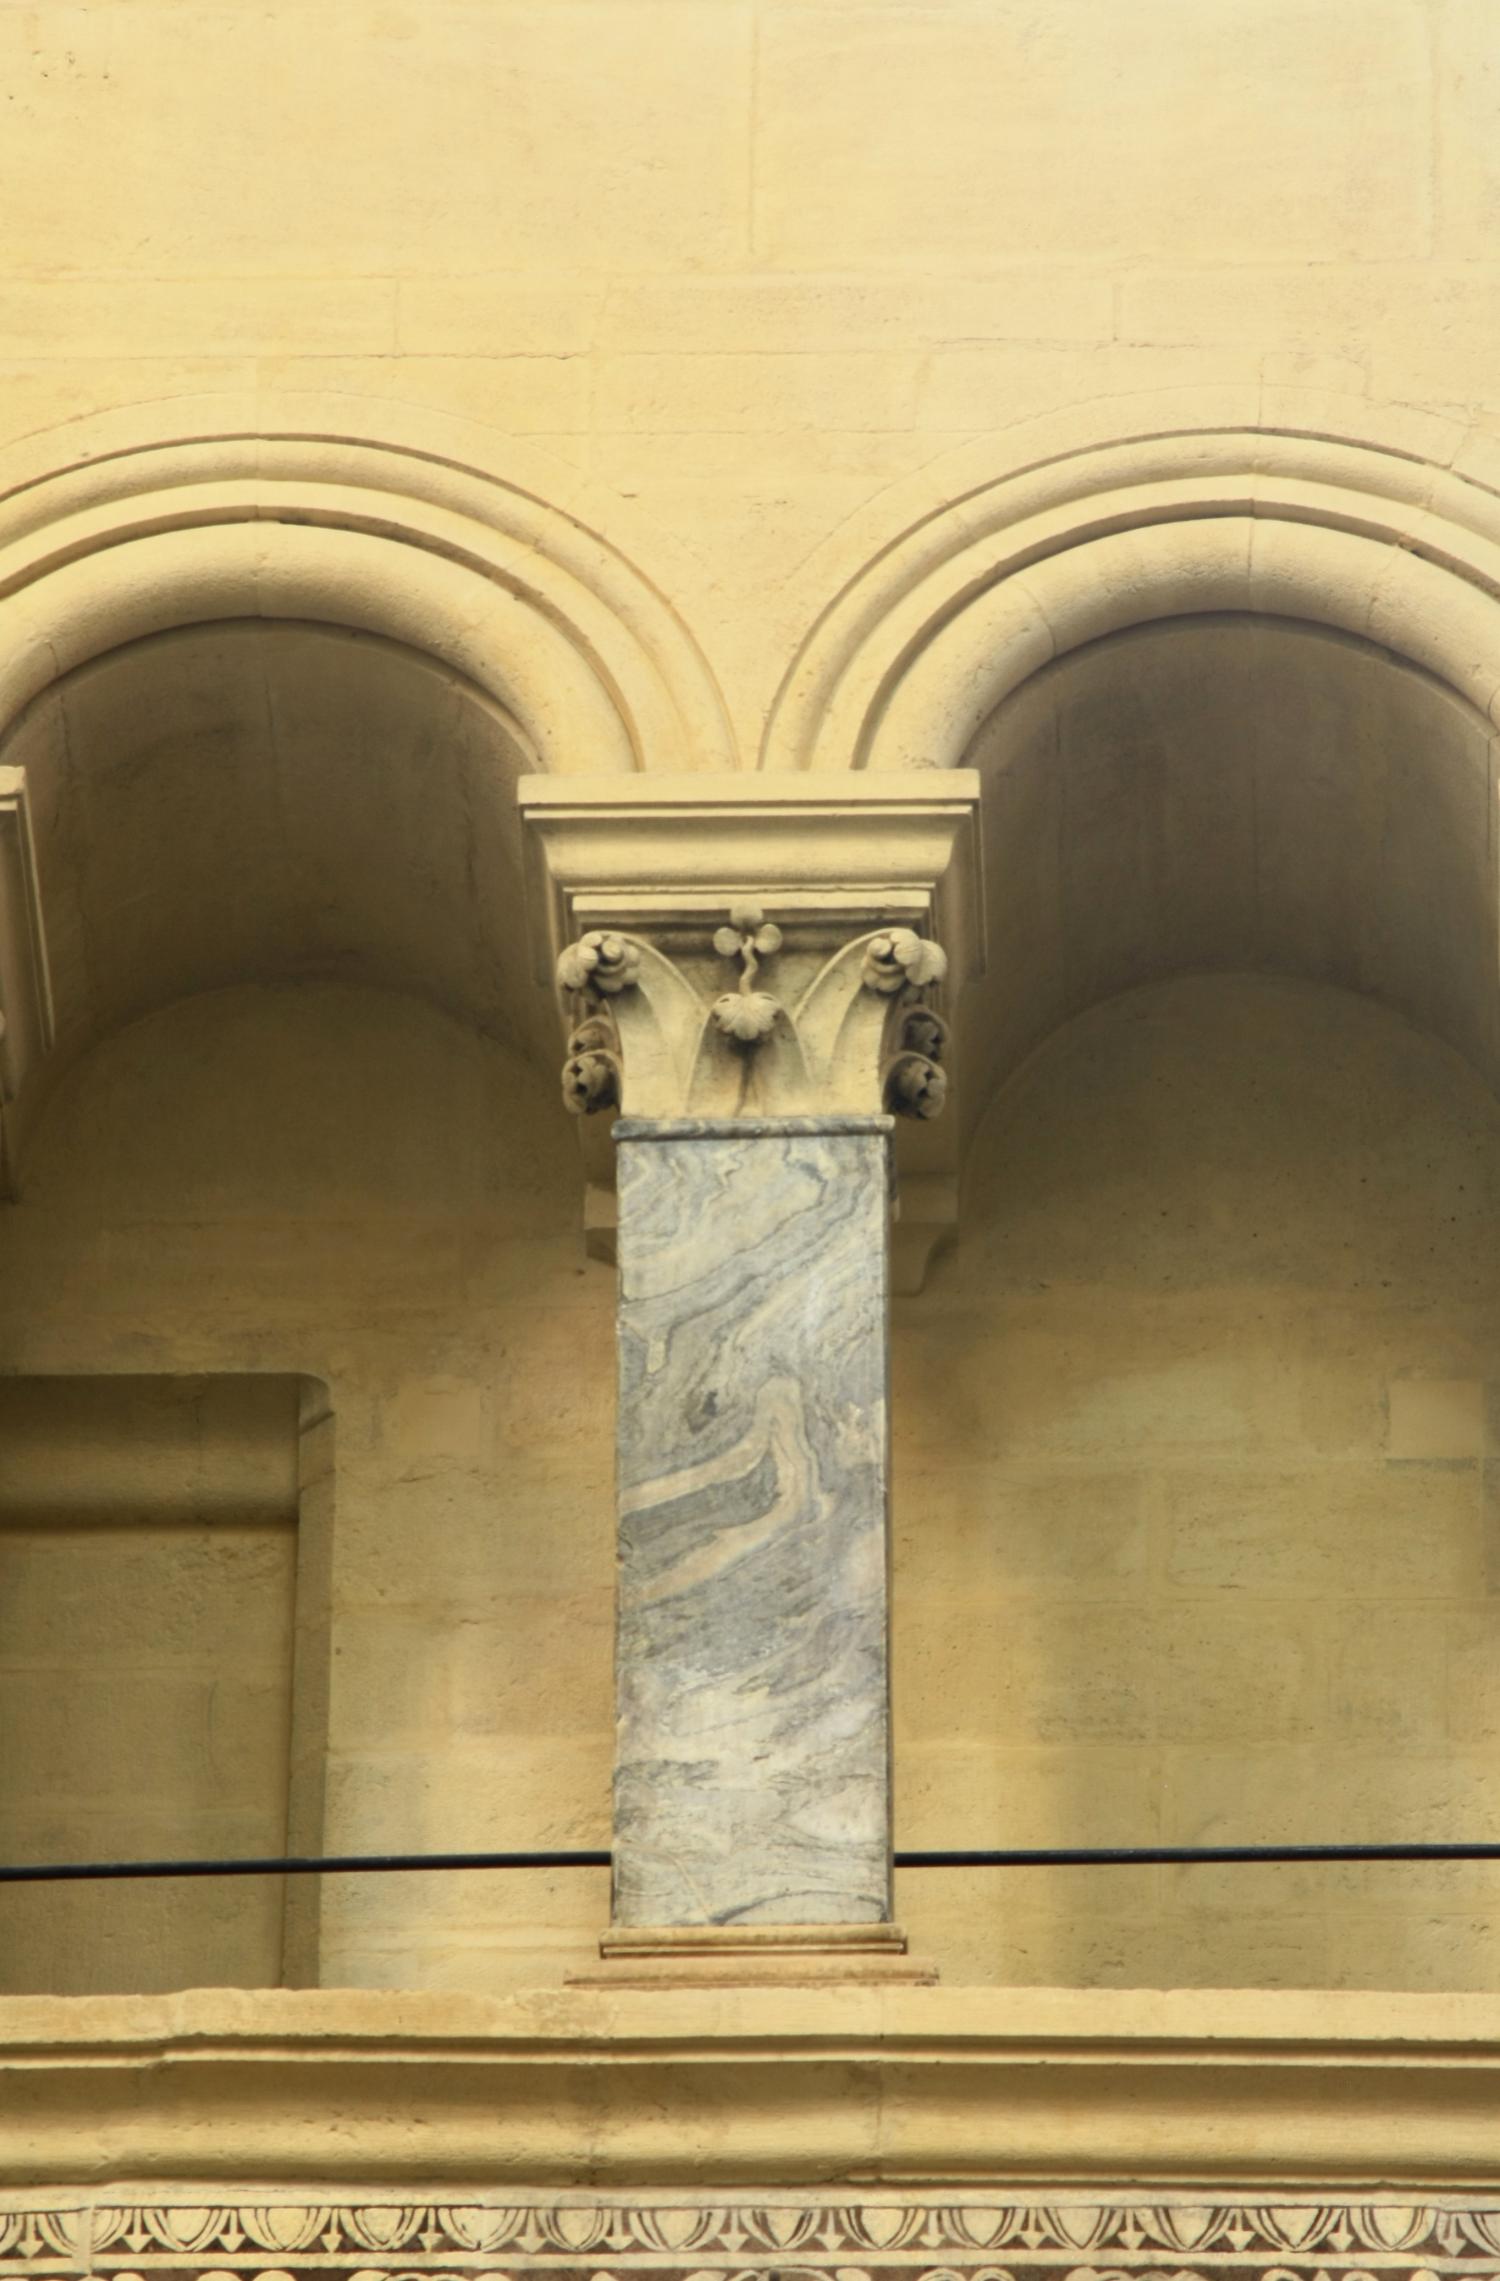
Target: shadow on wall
x,y
151,1554
1196,1501
1193,1506
242,802
1239,793
341,1183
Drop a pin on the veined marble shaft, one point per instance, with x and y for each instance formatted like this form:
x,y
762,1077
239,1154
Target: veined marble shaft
x,y
752,1780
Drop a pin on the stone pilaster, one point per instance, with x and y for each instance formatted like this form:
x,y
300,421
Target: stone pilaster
x,y
752,1769
756,1051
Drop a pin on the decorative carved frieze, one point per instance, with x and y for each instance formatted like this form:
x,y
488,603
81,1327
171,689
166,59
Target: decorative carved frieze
x,y
950,2236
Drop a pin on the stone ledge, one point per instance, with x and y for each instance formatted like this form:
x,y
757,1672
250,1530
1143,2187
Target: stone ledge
x,y
582,2088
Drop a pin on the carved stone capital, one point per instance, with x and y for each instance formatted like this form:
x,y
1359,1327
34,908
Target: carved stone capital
x,y
758,947
647,1034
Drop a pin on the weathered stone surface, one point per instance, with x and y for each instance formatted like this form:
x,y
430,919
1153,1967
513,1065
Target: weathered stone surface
x,y
752,1760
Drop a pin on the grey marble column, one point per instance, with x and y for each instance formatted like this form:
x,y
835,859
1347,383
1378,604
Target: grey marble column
x,y
752,1782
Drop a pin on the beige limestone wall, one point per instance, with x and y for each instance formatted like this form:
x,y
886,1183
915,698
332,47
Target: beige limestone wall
x,y
344,1183
1193,1489
768,277
1195,1500
745,263
148,1555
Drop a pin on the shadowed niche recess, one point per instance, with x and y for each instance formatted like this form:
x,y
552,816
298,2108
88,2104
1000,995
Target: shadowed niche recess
x,y
1238,794
248,803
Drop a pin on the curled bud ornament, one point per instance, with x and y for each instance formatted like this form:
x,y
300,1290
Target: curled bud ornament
x,y
590,1081
592,1074
599,961
915,1086
900,959
925,1032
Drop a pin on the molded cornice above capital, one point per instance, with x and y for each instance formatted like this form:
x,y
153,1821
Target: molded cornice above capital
x,y
856,853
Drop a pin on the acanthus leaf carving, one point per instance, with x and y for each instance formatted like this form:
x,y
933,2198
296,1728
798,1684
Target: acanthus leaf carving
x,y
862,1036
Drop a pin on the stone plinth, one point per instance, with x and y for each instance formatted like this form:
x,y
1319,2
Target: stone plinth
x,y
752,1769
754,1956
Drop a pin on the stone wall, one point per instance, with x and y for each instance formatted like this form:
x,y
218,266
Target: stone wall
x,y
746,264
1195,1499
1192,1533
148,1572
347,1177
549,371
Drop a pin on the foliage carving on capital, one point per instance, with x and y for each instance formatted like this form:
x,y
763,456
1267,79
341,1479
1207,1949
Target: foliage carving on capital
x,y
870,1029
899,961
903,966
629,1007
599,962
591,972
591,1075
646,1035
747,1015
914,1086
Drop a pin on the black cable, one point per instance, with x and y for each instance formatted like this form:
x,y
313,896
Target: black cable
x,y
932,1857
1144,1856
318,1865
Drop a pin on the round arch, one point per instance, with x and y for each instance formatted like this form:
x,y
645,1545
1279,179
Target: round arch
x,y
155,558
138,522
1321,510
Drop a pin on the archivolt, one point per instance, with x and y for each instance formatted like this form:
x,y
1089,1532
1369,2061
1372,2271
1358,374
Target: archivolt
x,y
1385,527
124,526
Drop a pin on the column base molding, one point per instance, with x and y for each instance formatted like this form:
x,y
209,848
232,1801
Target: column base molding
x,y
753,1956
